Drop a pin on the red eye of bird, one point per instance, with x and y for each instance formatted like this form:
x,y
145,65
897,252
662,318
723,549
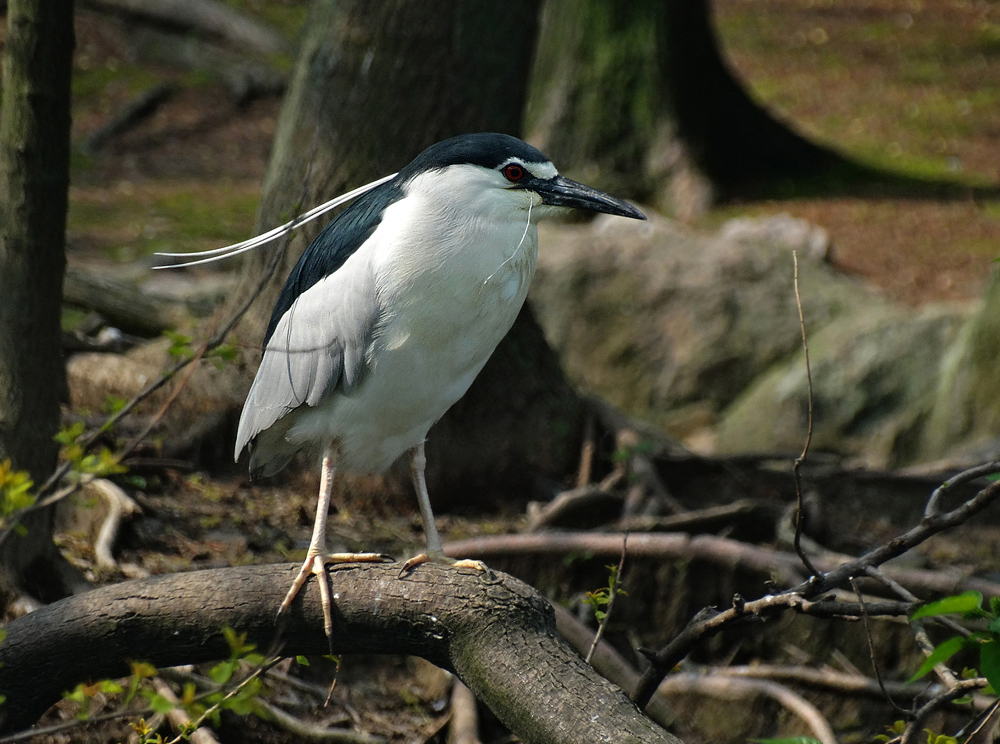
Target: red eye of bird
x,y
513,172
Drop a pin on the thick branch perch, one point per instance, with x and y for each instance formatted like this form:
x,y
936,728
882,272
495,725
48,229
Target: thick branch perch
x,y
495,632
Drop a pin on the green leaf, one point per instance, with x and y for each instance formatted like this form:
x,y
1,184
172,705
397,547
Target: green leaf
x,y
302,660
940,655
989,662
238,645
179,344
143,669
221,673
961,700
965,602
113,403
70,434
159,703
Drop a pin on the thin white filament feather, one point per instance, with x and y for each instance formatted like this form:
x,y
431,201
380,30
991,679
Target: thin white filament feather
x,y
509,258
217,254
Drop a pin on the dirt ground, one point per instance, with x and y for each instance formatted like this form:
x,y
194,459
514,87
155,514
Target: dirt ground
x,y
907,84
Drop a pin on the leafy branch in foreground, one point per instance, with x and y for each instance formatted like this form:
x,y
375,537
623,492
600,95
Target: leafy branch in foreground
x,y
241,698
985,642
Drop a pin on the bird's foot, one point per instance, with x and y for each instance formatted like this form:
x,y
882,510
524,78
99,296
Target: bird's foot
x,y
438,557
315,565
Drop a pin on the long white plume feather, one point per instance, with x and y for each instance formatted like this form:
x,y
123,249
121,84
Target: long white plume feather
x,y
217,254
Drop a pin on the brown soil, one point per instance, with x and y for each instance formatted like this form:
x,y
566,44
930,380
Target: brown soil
x,y
901,84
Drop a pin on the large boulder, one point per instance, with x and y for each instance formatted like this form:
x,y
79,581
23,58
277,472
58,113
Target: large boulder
x,y
700,334
672,325
874,376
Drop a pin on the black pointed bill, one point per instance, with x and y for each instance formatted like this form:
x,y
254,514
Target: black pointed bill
x,y
560,191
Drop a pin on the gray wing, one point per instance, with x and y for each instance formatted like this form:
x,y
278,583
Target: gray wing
x,y
320,343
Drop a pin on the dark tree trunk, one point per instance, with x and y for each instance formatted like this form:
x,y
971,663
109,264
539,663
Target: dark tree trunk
x,y
34,182
734,139
634,94
495,632
374,84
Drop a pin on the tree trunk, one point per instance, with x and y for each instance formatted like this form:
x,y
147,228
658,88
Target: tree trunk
x,y
635,96
34,182
496,633
374,84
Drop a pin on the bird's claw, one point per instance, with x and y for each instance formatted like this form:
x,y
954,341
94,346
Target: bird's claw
x,y
417,560
315,564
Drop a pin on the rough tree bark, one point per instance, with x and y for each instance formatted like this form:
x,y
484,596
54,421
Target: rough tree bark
x,y
34,183
374,84
496,633
637,94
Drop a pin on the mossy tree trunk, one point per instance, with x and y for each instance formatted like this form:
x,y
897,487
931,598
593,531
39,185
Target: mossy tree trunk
x,y
637,92
374,84
34,183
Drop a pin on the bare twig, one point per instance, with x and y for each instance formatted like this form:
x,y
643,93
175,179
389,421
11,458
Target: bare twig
x,y
983,728
797,465
57,728
961,689
575,500
823,679
709,519
928,527
314,732
664,660
782,567
871,651
964,477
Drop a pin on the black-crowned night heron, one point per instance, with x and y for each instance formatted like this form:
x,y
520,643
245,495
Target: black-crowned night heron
x,y
391,312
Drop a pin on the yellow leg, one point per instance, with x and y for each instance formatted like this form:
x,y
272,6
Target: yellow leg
x,y
316,555
435,551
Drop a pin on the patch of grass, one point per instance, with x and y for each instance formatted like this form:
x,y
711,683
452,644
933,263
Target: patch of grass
x,y
127,223
93,81
224,214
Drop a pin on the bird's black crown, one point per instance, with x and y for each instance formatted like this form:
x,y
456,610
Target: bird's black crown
x,y
487,149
